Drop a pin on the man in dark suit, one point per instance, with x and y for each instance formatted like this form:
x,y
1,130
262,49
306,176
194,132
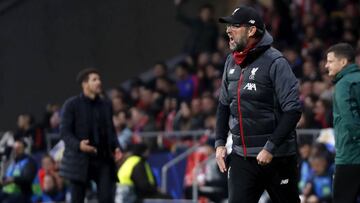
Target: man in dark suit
x,y
90,140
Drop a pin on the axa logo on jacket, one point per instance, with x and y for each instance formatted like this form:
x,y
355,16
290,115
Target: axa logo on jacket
x,y
250,86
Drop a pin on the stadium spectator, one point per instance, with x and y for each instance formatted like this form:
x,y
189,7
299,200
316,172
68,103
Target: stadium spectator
x,y
17,182
208,104
184,82
136,180
196,112
123,132
50,191
49,111
48,166
318,189
159,70
170,108
143,122
305,146
310,71
54,123
294,59
323,113
184,119
118,104
165,86
203,29
30,132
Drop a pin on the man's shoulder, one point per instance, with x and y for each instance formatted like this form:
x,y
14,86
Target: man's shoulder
x,y
72,100
352,77
273,54
28,159
229,61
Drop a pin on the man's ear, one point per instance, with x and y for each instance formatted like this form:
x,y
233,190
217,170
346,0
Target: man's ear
x,y
251,32
343,61
83,84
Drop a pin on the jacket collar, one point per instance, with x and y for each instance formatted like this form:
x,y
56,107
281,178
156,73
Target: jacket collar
x,y
263,45
347,70
87,99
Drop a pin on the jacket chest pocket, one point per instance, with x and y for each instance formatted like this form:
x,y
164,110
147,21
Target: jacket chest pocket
x,y
233,74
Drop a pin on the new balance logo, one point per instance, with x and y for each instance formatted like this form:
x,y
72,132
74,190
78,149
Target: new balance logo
x,y
235,11
250,86
284,182
231,71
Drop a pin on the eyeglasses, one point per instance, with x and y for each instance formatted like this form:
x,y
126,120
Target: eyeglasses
x,y
236,25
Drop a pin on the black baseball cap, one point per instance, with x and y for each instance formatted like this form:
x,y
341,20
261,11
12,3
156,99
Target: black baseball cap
x,y
244,15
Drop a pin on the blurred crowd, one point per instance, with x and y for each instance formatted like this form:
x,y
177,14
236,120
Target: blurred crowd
x,y
184,97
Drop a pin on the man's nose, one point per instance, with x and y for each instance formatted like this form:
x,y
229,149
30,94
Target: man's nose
x,y
228,29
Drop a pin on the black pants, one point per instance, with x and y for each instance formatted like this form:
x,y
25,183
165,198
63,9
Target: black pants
x,y
248,180
346,183
100,172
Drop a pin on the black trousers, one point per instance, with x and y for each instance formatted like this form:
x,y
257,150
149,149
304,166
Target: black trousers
x,y
247,180
346,183
100,172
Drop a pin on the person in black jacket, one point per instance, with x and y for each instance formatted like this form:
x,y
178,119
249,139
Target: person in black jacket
x,y
203,29
259,108
90,140
17,181
136,179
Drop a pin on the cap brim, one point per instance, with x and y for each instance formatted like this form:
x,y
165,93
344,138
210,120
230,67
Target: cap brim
x,y
227,19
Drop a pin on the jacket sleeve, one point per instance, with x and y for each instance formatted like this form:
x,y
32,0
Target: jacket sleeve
x,y
347,96
67,126
223,111
286,88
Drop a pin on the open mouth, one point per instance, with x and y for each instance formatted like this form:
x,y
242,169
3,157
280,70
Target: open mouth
x,y
231,39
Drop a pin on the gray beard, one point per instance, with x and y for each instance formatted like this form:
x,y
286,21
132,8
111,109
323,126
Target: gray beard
x,y
240,47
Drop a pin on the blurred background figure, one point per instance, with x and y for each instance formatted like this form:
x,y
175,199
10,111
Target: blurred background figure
x,y
203,29
17,182
123,132
136,180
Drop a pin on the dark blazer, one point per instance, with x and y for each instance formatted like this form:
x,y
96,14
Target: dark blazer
x,y
75,126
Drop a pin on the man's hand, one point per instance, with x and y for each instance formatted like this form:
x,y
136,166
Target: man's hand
x,y
86,147
220,158
264,157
